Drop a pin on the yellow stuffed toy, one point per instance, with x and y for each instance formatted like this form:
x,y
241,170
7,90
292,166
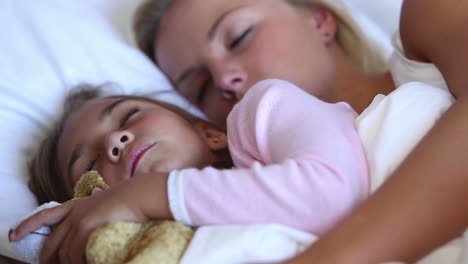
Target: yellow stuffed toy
x,y
126,242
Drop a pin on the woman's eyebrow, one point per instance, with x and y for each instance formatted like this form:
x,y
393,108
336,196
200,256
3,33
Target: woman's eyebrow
x,y
185,75
220,19
211,33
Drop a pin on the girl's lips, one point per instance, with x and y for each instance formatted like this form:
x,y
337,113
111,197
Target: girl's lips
x,y
135,155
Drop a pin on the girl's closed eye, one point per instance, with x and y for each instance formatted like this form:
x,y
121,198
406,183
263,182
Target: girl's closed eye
x,y
128,115
91,164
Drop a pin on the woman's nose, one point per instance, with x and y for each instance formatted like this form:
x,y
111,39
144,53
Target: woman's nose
x,y
233,84
116,143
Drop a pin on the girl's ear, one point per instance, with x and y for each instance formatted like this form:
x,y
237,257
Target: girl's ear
x,y
323,19
215,138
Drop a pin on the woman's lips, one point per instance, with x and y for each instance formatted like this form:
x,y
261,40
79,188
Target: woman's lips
x,y
135,155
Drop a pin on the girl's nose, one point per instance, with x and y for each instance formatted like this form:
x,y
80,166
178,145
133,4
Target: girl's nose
x,y
116,143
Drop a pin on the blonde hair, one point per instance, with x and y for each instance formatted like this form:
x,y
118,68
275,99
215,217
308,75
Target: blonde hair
x,y
364,52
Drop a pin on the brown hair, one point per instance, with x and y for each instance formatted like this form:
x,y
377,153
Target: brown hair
x,y
365,53
45,181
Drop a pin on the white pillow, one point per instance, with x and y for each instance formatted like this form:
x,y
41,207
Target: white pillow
x,y
385,12
49,46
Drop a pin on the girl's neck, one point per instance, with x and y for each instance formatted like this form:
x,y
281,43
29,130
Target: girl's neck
x,y
356,87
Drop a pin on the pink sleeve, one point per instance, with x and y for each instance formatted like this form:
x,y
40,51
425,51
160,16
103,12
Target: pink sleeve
x,y
303,164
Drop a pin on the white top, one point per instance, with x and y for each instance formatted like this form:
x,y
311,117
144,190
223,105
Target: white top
x,y
392,125
405,70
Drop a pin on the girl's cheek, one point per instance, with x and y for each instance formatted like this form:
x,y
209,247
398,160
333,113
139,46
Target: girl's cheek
x,y
107,174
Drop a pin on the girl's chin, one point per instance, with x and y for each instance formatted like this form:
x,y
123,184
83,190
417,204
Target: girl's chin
x,y
161,167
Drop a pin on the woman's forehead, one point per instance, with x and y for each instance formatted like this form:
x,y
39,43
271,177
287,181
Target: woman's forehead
x,y
209,5
191,13
185,29
193,16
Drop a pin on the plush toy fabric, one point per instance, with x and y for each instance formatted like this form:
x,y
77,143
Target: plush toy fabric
x,y
161,242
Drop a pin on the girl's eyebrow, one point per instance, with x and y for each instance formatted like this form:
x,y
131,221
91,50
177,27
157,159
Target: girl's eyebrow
x,y
108,110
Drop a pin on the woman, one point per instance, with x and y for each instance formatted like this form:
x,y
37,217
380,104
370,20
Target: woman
x,y
213,49
198,67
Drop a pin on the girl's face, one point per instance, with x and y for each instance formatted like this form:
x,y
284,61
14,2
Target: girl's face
x,y
125,137
214,50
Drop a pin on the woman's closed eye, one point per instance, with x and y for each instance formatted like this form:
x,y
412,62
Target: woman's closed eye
x,y
202,91
238,40
128,115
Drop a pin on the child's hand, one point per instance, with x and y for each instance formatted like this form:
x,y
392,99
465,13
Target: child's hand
x,y
129,201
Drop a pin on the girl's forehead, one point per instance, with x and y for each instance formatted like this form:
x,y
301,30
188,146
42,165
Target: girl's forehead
x,y
99,107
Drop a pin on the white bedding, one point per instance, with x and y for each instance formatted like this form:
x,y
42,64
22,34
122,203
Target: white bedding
x,y
50,45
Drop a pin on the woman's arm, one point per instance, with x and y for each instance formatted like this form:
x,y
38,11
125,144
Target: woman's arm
x,y
424,203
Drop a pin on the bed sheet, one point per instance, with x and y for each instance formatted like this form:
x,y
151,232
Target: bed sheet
x,y
51,45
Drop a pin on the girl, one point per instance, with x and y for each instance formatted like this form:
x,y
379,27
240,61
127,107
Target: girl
x,y
314,171
221,47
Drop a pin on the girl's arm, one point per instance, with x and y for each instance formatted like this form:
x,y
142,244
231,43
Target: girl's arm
x,y
303,165
424,203
141,198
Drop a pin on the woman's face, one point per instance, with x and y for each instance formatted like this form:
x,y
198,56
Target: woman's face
x,y
214,50
125,137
